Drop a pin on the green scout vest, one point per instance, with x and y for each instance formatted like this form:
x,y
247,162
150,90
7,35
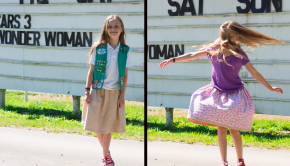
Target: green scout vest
x,y
101,62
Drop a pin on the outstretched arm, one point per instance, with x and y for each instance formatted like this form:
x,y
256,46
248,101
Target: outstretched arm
x,y
258,76
186,57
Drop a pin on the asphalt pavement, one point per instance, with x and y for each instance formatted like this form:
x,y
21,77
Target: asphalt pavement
x,y
22,147
177,154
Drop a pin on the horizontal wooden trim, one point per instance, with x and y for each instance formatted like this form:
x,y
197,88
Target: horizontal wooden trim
x,y
133,49
60,80
245,80
253,61
128,31
189,94
83,4
219,15
218,25
194,43
61,64
80,13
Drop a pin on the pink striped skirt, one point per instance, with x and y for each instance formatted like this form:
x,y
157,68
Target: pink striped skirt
x,y
211,107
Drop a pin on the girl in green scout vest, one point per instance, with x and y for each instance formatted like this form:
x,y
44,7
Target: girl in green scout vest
x,y
104,108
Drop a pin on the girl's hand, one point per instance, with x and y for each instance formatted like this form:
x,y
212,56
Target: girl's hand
x,y
276,89
164,63
88,98
121,102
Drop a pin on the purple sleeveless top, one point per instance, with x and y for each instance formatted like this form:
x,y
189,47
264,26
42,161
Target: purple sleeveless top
x,y
225,78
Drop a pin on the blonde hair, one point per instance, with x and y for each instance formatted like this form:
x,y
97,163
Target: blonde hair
x,y
247,37
104,37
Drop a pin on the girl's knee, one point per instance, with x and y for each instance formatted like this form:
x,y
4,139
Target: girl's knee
x,y
235,133
222,130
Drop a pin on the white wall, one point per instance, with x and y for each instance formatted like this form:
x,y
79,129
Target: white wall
x,y
63,70
173,85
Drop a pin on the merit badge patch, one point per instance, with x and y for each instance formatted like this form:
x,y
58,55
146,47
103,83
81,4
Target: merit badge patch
x,y
101,51
96,82
102,81
99,85
95,85
122,79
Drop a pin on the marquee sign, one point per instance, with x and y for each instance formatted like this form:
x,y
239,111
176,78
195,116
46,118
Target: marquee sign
x,y
167,51
32,37
189,6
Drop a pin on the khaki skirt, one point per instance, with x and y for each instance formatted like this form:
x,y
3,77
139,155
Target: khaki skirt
x,y
102,115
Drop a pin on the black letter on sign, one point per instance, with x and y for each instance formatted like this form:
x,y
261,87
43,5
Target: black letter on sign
x,y
50,37
20,34
176,4
3,22
247,9
177,50
14,37
86,38
36,38
187,9
261,10
170,52
103,1
200,7
28,38
8,39
160,53
42,1
68,40
2,36
150,52
10,20
16,21
28,21
277,5
31,1
89,1
79,40
59,39
20,1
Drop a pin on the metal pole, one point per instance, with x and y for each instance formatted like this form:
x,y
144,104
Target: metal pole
x,y
26,96
169,116
2,98
76,105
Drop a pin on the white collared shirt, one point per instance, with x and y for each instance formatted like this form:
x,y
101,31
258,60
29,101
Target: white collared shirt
x,y
111,81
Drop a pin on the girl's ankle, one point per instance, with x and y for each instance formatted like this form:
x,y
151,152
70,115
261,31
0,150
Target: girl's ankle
x,y
224,163
240,162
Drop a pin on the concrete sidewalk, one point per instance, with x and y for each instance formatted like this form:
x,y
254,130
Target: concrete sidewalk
x,y
176,154
20,147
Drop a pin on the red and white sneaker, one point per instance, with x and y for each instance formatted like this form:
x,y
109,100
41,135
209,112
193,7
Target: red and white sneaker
x,y
224,163
110,161
240,162
103,162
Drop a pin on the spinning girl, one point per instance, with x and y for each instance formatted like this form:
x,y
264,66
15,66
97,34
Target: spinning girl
x,y
226,103
104,108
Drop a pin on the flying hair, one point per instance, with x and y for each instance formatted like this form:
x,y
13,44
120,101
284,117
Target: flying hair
x,y
248,37
104,37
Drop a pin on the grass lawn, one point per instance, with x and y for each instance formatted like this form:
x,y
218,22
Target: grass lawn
x,y
53,113
268,131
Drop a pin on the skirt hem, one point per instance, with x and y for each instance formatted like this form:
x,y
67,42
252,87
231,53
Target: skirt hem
x,y
113,131
210,123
